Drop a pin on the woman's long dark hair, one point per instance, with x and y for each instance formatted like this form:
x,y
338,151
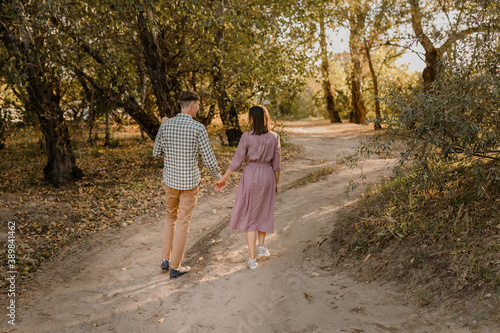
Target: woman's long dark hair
x,y
260,119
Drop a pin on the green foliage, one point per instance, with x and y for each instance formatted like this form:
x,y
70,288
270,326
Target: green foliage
x,y
457,123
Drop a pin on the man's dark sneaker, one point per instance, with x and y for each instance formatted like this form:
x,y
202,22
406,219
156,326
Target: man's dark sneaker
x,y
165,265
174,273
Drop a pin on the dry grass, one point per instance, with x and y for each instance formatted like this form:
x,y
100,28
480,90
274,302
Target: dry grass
x,y
449,226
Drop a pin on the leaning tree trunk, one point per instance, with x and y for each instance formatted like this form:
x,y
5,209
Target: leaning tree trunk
x,y
161,67
327,86
227,109
147,120
358,112
378,116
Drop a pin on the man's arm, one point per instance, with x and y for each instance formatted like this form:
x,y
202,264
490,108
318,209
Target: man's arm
x,y
159,146
207,154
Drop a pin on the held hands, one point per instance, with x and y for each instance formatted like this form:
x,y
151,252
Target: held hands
x,y
220,184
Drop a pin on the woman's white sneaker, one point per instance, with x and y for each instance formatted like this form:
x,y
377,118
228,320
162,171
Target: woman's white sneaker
x,y
263,252
252,264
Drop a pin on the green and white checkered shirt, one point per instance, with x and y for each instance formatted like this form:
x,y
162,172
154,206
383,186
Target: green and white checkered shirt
x,y
180,140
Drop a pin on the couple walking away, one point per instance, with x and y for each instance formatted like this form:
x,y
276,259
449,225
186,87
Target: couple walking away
x,y
179,141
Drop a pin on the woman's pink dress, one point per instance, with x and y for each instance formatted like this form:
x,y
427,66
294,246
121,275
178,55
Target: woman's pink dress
x,y
254,204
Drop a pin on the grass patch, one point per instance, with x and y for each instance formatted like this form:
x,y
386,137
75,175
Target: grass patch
x,y
312,177
448,227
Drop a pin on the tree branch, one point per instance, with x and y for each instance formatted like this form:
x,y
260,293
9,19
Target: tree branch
x,y
459,35
416,22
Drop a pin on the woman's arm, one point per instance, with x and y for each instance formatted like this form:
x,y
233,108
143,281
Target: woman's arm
x,y
277,176
221,183
236,162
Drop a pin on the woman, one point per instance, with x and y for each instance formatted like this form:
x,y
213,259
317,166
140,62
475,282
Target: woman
x,y
253,210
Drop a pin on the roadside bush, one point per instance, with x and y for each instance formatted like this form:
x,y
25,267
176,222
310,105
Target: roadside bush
x,y
441,210
457,123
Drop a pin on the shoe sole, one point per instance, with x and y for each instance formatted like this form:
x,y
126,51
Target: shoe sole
x,y
264,255
176,276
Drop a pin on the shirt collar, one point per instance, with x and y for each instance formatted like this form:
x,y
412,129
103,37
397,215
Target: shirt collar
x,y
184,115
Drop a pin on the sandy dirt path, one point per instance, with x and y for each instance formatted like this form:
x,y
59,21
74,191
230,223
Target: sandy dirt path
x,y
112,281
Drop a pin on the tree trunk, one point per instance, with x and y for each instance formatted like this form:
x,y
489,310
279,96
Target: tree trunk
x,y
432,54
430,71
91,115
162,73
378,119
107,135
61,167
145,118
3,132
358,112
24,44
327,86
227,109
206,119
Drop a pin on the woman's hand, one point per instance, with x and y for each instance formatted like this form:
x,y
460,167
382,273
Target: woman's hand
x,y
220,184
164,120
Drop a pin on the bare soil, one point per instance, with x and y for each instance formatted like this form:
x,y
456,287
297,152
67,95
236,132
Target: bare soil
x,y
111,280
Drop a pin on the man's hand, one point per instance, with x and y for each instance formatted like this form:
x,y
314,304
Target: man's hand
x,y
220,184
164,120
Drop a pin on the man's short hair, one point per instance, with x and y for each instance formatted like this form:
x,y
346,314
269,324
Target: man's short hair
x,y
187,97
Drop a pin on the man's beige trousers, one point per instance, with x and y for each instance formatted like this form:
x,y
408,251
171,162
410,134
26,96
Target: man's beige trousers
x,y
180,209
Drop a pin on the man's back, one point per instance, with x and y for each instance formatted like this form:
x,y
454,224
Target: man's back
x,y
180,140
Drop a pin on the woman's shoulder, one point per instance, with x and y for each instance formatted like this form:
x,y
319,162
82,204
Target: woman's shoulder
x,y
250,133
276,135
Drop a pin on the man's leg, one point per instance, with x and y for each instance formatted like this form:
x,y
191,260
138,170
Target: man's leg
x,y
172,203
187,204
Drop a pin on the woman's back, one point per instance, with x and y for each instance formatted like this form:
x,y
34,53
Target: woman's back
x,y
262,149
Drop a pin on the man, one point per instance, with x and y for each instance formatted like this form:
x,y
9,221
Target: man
x,y
180,140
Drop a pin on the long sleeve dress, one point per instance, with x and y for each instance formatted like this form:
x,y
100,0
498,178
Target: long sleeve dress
x,y
254,204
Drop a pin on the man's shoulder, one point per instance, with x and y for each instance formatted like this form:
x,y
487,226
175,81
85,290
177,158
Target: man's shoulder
x,y
185,121
196,124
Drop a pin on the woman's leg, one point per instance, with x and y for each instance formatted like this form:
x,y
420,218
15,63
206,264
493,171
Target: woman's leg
x,y
251,238
262,237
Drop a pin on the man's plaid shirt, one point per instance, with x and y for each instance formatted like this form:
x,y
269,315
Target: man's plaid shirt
x,y
180,140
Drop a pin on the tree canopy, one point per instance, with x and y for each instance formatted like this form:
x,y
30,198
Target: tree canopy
x,y
62,62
